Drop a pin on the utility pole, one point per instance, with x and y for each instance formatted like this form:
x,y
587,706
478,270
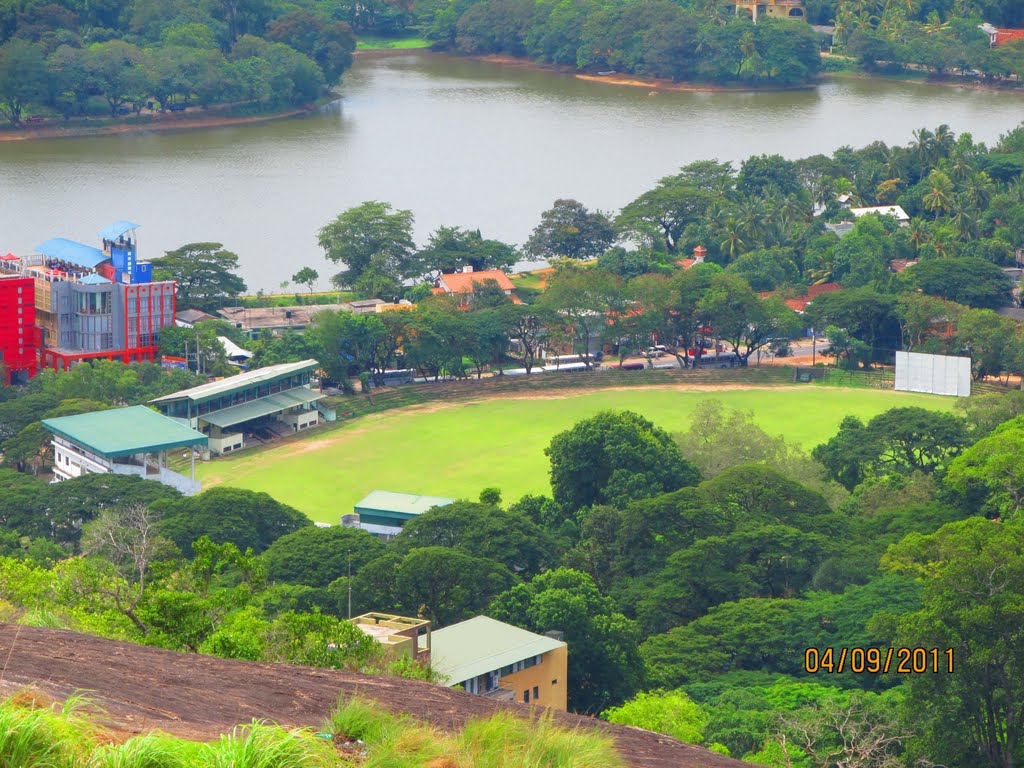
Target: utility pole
x,y
814,345
350,584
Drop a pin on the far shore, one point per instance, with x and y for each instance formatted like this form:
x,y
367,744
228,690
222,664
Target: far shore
x,y
54,128
944,82
653,84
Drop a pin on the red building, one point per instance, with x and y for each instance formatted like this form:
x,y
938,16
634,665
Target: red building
x,y
19,337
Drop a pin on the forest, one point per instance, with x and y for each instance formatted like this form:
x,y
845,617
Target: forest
x,y
73,59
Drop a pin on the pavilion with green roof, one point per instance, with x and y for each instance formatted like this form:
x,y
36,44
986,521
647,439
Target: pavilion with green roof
x,y
123,441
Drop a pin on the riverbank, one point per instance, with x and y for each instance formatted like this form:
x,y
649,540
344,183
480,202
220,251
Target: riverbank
x,y
197,118
928,80
653,84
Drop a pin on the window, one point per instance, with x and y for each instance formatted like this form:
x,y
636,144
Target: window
x,y
506,670
526,696
531,662
536,693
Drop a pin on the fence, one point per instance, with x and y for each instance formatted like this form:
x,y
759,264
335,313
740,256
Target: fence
x,y
412,394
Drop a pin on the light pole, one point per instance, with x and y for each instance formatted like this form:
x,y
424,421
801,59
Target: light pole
x,y
350,584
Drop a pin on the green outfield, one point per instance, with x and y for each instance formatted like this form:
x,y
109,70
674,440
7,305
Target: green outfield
x,y
458,449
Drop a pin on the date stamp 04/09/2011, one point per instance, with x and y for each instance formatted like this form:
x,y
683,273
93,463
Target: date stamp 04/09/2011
x,y
874,661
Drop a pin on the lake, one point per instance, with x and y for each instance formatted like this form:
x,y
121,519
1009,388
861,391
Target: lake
x,y
457,141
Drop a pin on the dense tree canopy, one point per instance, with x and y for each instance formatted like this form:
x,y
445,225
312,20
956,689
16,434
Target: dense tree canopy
x,y
615,456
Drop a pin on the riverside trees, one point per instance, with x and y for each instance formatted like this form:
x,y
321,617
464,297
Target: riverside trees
x,y
59,61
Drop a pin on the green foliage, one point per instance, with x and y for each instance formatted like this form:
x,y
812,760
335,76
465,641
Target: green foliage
x,y
375,246
479,530
614,457
245,518
204,273
317,556
972,577
674,714
569,229
901,440
604,666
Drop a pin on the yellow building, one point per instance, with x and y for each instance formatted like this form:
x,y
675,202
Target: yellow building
x,y
774,9
490,658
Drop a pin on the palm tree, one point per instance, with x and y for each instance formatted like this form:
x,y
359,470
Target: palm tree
x,y
733,245
923,148
966,225
939,197
918,234
943,140
978,190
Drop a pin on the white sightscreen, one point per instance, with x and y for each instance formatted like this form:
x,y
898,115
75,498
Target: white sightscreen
x,y
933,374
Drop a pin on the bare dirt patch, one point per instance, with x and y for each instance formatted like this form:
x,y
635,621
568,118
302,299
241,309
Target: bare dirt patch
x,y
141,689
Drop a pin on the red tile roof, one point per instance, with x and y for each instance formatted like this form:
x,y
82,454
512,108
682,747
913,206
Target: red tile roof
x,y
1008,35
800,303
686,263
463,282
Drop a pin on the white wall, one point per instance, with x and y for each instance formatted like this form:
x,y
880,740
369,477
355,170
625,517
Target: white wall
x,y
933,374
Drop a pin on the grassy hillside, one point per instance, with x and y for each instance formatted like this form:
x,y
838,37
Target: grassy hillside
x,y
459,449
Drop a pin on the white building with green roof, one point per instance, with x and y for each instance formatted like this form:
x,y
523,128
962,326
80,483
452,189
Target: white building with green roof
x,y
276,399
123,441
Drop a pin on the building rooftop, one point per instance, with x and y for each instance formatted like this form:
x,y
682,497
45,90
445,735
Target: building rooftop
x,y
463,282
72,252
387,628
882,210
298,316
409,503
218,388
118,228
193,316
482,644
124,431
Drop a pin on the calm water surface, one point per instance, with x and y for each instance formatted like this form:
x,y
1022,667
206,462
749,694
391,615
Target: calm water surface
x,y
457,141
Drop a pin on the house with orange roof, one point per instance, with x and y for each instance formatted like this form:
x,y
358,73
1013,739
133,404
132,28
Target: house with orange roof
x,y
699,253
461,284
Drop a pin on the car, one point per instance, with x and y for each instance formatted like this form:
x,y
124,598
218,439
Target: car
x,y
657,350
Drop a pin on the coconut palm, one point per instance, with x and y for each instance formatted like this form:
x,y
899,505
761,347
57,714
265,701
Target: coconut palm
x,y
923,148
918,234
733,245
939,197
964,221
978,190
943,140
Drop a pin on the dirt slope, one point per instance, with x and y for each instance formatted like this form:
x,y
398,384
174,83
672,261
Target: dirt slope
x,y
200,697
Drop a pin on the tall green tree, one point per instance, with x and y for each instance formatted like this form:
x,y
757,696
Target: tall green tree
x,y
205,274
370,240
23,77
973,575
569,229
614,457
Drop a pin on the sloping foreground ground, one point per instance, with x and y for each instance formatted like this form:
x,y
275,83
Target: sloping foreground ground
x,y
200,697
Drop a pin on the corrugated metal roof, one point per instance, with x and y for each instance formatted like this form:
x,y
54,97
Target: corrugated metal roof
x,y
70,251
264,406
218,388
407,503
118,228
124,431
481,645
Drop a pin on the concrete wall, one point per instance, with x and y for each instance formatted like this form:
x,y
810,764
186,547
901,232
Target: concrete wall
x,y
549,678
